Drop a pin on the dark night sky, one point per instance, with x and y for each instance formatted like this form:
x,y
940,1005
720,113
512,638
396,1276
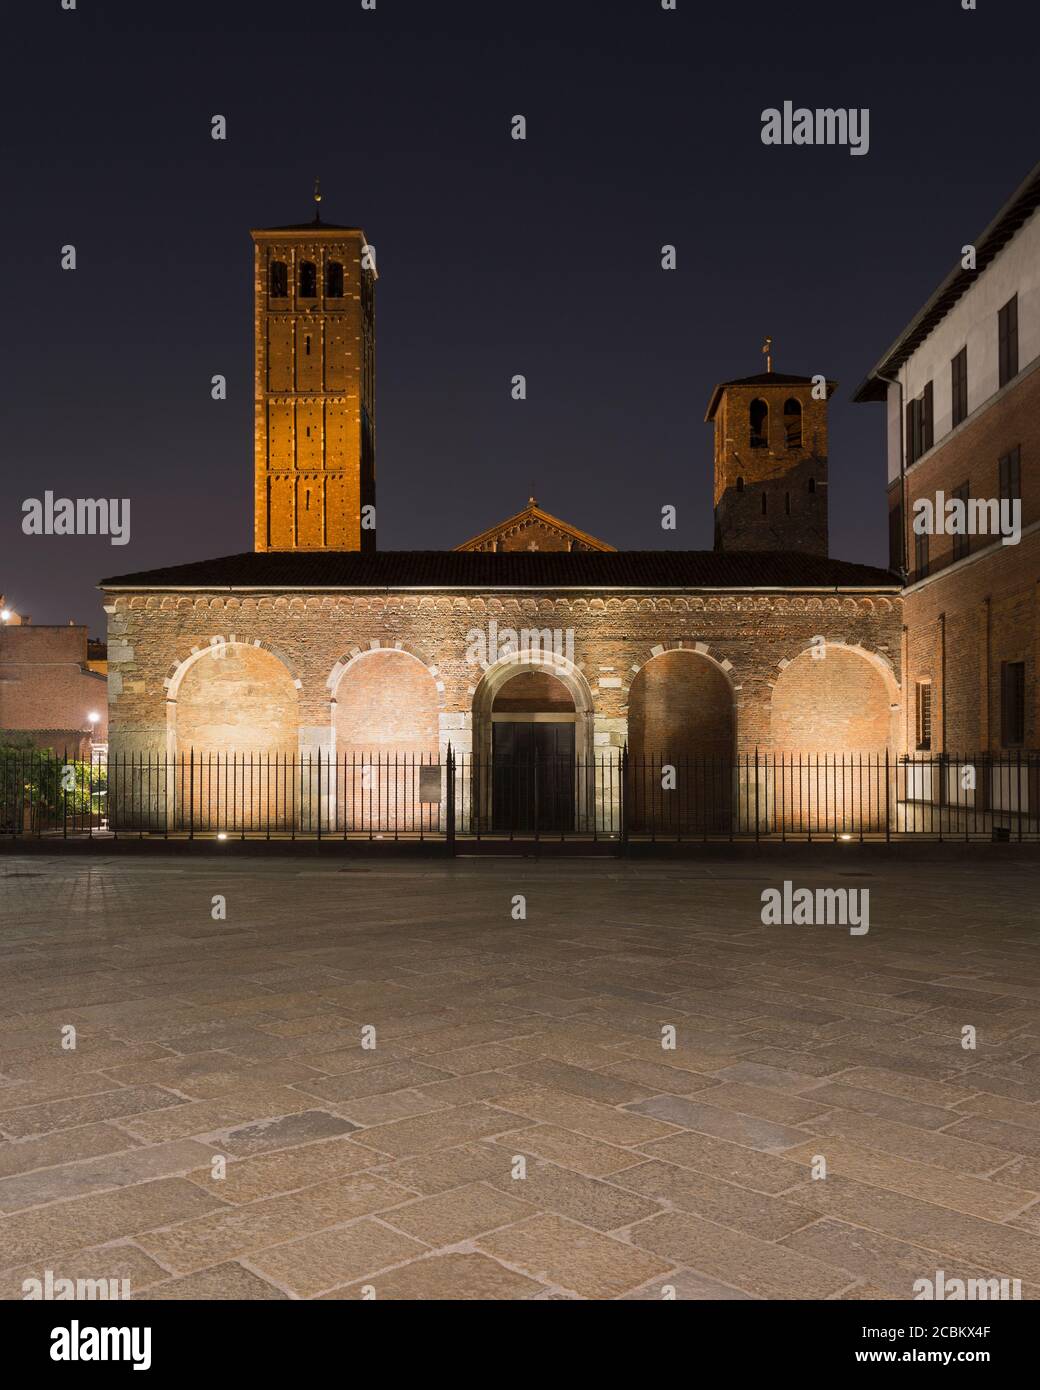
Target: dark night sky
x,y
495,257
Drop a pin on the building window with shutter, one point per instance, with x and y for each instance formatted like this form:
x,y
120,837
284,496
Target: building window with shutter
x,y
895,538
1012,704
959,387
962,543
1007,340
920,425
920,555
334,280
1011,476
912,415
927,420
924,716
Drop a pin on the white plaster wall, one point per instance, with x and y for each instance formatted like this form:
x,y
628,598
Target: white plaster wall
x,y
973,320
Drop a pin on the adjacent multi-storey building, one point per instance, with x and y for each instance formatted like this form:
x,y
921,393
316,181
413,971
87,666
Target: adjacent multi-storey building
x,y
962,387
52,685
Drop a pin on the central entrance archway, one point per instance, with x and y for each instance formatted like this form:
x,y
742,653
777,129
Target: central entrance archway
x,y
533,755
532,746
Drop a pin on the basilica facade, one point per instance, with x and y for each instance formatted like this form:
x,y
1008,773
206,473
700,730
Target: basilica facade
x,y
530,636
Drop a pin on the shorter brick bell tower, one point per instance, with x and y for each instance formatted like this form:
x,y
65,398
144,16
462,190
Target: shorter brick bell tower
x,y
771,462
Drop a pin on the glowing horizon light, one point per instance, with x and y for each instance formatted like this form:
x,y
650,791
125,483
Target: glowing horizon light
x,y
221,834
846,837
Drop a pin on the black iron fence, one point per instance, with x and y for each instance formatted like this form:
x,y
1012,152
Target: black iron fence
x,y
612,797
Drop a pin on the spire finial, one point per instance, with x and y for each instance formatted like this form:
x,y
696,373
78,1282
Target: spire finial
x,y
317,200
767,348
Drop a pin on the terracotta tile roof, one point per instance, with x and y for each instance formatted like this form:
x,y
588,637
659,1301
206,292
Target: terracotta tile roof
x,y
476,569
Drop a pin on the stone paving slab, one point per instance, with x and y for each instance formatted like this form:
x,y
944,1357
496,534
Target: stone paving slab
x,y
521,1128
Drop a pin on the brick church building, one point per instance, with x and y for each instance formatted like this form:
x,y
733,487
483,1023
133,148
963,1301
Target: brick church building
x,y
530,638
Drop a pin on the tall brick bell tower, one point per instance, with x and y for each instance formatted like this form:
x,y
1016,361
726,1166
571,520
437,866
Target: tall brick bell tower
x,y
314,387
770,463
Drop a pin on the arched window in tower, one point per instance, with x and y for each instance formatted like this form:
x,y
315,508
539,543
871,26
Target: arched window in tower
x,y
333,279
765,506
758,416
787,503
793,423
740,484
308,280
278,284
307,345
812,484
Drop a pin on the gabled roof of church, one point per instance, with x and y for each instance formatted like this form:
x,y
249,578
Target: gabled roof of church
x,y
762,379
533,515
589,570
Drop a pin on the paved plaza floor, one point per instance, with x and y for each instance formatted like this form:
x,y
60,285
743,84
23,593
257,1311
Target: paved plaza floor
x,y
456,1080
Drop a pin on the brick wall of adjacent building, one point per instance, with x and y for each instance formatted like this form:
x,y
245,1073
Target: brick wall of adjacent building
x,y
970,616
46,684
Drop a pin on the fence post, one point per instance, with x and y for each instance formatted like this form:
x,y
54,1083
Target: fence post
x,y
191,793
756,794
450,802
623,799
888,802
